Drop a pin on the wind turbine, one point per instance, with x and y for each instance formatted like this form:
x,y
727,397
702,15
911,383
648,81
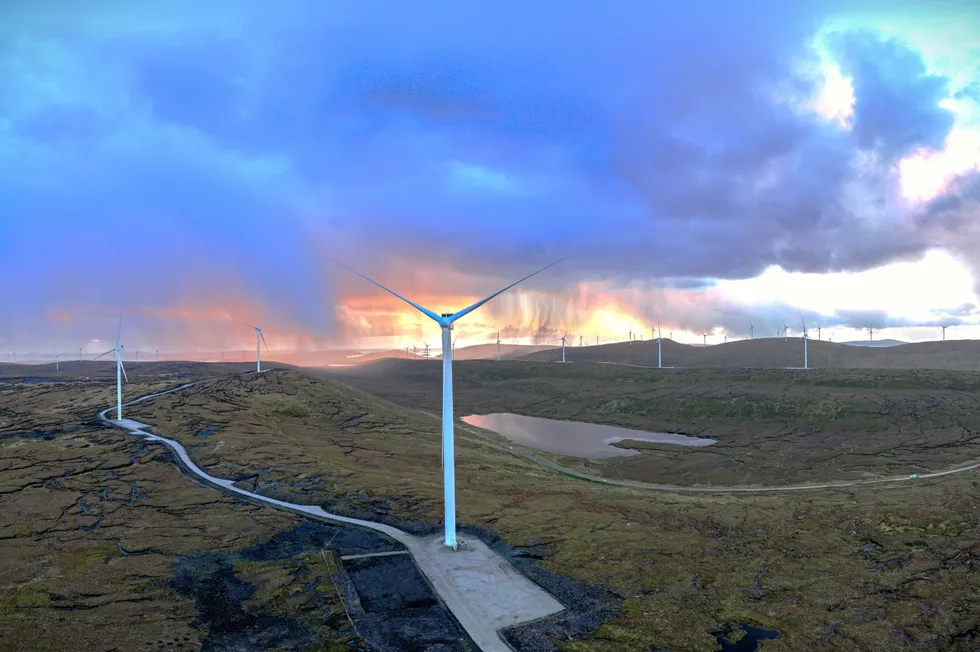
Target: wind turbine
x,y
563,346
943,327
705,335
806,364
259,337
454,345
120,369
726,338
498,346
871,334
415,351
79,353
631,336
785,328
158,355
751,332
819,336
580,340
57,365
660,357
446,321
426,354
137,356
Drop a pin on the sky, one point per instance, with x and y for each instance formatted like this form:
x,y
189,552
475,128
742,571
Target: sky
x,y
709,166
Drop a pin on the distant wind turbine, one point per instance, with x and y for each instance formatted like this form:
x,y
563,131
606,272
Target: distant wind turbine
x,y
631,336
751,332
944,332
57,365
137,356
426,354
454,344
726,338
415,351
660,357
871,334
705,335
259,339
785,329
446,321
498,346
79,353
580,340
563,346
806,363
120,369
819,336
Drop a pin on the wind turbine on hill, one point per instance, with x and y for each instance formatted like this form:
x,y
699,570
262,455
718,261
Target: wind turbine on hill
x,y
415,351
120,369
806,364
705,336
871,334
158,355
259,339
631,336
426,354
660,357
79,353
943,327
446,321
498,346
751,332
819,336
137,356
785,329
57,365
563,346
454,344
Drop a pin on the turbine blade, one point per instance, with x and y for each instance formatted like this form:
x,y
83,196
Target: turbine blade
x,y
425,311
122,366
119,330
469,309
264,320
104,354
262,335
250,326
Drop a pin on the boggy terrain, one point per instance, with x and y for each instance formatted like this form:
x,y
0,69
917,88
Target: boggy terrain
x,y
105,545
773,427
885,567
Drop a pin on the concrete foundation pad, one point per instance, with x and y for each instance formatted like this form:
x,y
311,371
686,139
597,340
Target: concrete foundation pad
x,y
483,591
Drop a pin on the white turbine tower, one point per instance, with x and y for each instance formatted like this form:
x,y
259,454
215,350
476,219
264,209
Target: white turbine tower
x,y
785,329
563,346
259,339
120,369
819,334
871,335
446,321
751,332
660,356
705,335
943,327
806,362
57,365
498,346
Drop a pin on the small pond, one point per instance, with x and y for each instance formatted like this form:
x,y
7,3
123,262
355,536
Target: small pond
x,y
574,438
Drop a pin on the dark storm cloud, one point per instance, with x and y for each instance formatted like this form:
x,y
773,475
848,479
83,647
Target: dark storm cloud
x,y
650,140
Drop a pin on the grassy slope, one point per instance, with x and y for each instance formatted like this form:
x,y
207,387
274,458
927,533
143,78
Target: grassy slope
x,y
773,426
850,570
770,353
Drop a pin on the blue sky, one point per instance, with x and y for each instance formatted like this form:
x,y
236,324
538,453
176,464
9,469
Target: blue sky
x,y
197,167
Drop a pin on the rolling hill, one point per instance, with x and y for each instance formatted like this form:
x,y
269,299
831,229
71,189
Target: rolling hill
x,y
765,353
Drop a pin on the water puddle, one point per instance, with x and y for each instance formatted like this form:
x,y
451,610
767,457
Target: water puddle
x,y
746,637
574,438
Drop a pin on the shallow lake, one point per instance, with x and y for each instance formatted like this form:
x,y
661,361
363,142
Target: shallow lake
x,y
574,438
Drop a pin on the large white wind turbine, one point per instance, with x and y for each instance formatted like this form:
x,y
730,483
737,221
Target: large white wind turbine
x,y
563,346
259,339
446,321
120,369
